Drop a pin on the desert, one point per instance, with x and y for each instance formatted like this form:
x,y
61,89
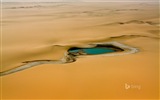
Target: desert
x,y
36,31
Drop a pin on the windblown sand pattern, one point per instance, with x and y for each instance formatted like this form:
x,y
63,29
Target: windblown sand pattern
x,y
38,35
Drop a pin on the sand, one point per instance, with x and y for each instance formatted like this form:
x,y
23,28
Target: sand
x,y
45,31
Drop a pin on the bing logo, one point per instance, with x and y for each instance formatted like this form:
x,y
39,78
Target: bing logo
x,y
127,86
132,86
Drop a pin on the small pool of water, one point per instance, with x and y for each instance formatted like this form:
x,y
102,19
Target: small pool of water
x,y
92,51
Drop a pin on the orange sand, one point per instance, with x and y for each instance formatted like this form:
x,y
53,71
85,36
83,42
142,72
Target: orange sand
x,y
40,31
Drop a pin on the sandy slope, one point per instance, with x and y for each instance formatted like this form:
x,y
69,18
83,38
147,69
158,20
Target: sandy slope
x,y
44,31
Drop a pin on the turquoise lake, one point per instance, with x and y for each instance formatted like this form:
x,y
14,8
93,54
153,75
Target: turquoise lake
x,y
92,51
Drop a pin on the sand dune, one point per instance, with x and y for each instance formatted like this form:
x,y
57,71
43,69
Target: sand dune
x,y
39,34
69,58
133,22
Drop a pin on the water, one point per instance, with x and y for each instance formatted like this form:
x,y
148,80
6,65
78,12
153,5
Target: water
x,y
92,51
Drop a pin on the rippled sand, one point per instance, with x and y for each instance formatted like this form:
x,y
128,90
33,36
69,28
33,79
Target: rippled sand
x,y
45,31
